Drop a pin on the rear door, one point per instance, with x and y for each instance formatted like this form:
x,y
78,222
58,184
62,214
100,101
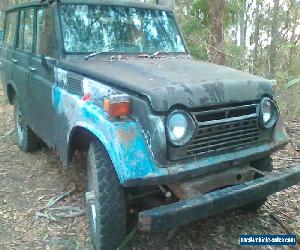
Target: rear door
x,y
42,76
22,59
8,46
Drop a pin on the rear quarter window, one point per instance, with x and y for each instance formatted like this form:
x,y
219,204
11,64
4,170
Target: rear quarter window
x,y
10,28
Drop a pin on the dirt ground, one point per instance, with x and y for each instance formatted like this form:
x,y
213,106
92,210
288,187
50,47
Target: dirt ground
x,y
29,181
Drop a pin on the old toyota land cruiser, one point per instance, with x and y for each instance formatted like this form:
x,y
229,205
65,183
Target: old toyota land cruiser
x,y
116,79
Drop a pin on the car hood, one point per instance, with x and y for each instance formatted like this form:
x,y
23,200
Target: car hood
x,y
174,81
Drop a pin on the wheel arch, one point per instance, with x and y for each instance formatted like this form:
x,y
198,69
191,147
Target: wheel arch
x,y
124,142
80,138
11,93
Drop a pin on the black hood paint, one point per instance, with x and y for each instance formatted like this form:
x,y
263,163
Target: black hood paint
x,y
174,81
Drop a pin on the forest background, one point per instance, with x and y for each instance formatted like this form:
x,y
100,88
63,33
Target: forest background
x,y
258,36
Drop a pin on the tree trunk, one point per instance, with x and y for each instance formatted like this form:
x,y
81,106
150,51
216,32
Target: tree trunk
x,y
243,24
274,35
256,35
294,17
217,14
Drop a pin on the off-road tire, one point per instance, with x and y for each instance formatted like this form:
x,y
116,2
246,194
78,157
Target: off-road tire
x,y
264,165
26,138
108,220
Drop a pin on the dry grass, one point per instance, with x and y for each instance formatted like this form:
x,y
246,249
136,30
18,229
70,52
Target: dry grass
x,y
289,103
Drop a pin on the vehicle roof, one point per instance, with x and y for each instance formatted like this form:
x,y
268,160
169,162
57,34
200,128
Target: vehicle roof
x,y
125,3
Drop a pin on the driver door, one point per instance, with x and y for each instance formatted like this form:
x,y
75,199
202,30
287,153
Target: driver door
x,y
41,80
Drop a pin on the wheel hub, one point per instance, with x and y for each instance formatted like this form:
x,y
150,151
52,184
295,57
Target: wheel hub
x,y
90,197
91,201
20,125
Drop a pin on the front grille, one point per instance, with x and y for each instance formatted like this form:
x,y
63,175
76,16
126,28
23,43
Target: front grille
x,y
223,129
224,136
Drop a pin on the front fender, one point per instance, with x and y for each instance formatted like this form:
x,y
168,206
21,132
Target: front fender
x,y
126,147
123,139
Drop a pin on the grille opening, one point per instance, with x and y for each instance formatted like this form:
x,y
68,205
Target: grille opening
x,y
226,106
222,146
232,127
215,138
225,114
220,136
242,112
221,140
74,84
210,117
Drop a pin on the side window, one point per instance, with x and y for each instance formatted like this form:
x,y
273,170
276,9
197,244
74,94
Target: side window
x,y
26,30
10,28
21,30
45,33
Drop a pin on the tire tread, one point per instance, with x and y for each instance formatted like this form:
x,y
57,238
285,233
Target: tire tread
x,y
30,143
111,201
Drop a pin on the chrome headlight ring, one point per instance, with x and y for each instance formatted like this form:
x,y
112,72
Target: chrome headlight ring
x,y
180,127
268,113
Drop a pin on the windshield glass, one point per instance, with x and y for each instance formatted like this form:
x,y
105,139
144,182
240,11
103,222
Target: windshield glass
x,y
94,28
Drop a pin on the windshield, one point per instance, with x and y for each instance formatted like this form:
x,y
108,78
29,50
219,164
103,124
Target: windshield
x,y
94,28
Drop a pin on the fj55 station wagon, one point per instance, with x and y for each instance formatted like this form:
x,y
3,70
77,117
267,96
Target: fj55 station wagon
x,y
115,80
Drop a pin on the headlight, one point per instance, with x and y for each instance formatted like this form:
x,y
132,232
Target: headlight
x,y
269,113
180,127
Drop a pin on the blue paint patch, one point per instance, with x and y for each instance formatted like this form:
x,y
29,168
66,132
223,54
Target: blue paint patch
x,y
123,139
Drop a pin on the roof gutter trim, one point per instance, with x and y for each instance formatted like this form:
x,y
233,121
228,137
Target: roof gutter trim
x,y
93,2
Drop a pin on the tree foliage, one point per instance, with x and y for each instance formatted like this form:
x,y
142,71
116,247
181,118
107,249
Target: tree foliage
x,y
261,37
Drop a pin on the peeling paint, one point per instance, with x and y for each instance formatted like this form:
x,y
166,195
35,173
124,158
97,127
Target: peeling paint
x,y
61,77
126,143
123,139
126,136
97,91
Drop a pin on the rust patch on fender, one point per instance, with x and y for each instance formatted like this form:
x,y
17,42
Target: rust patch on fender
x,y
126,136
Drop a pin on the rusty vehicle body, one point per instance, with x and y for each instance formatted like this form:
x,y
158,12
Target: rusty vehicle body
x,y
60,97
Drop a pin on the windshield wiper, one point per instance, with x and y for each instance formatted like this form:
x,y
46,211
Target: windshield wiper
x,y
95,54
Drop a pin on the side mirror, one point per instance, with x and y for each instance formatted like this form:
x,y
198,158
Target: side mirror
x,y
44,62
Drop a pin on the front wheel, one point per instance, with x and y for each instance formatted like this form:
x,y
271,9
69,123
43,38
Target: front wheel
x,y
105,200
27,140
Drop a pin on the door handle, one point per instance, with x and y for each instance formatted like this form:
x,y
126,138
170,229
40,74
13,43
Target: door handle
x,y
14,60
32,69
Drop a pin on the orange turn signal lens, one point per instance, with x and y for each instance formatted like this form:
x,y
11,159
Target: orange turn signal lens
x,y
117,105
